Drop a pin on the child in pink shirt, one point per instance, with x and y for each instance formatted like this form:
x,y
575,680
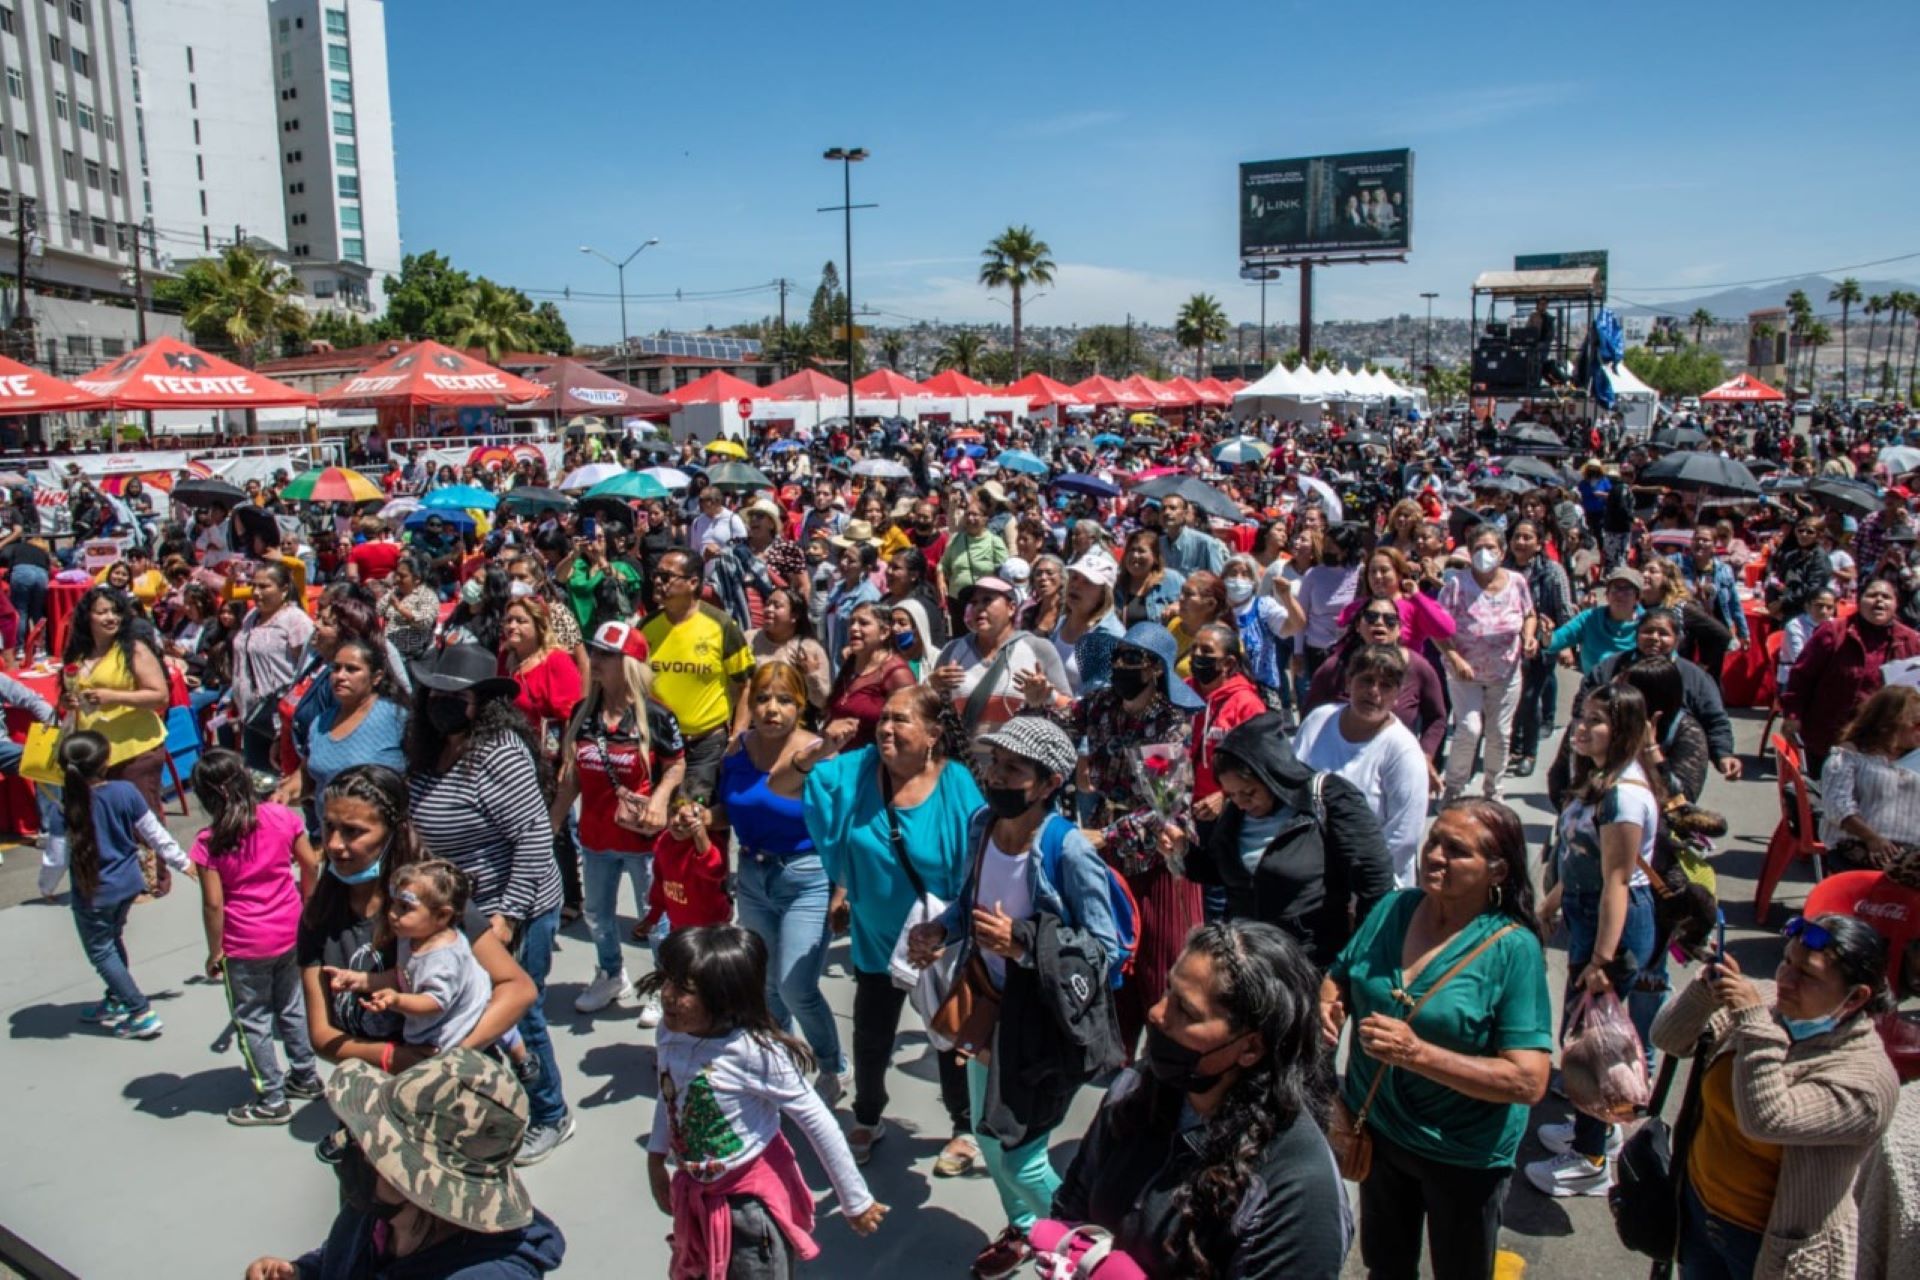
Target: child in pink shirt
x,y
250,904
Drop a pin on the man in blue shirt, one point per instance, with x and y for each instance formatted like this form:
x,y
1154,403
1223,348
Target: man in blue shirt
x,y
1714,587
1184,548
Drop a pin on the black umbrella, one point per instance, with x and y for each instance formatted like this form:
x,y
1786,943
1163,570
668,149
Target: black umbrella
x,y
1530,437
1679,438
535,499
1505,482
1203,496
1700,472
608,507
1531,468
1842,494
737,475
1146,442
652,446
1080,482
207,493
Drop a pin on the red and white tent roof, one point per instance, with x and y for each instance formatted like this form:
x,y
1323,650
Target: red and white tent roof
x,y
429,374
1101,390
1042,391
579,388
1745,389
952,382
715,387
808,384
24,389
885,384
169,374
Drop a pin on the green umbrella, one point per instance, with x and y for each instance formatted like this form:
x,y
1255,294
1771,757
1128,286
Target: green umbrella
x,y
629,484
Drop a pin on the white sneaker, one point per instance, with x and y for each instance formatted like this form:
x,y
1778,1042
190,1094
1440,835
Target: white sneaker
x,y
831,1087
1570,1174
605,989
1558,1138
650,1011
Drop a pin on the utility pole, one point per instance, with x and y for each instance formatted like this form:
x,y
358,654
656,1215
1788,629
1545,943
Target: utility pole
x,y
26,224
848,157
1306,313
620,269
139,287
783,284
1429,297
1129,368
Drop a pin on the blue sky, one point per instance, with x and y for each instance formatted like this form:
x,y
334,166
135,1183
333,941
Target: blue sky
x,y
1702,143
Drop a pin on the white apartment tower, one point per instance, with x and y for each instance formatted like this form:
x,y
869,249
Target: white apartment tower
x,y
336,148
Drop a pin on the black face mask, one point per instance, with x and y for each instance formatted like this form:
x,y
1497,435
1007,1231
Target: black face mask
x,y
1008,802
1205,668
922,537
1172,1063
1130,682
449,714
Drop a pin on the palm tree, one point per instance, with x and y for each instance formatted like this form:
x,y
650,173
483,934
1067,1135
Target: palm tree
x,y
246,300
892,346
1012,261
1899,305
960,351
1873,306
495,319
1846,293
1701,320
1201,320
1818,334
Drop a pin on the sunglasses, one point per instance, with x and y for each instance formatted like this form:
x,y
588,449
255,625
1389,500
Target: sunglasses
x,y
1133,661
1808,934
1381,616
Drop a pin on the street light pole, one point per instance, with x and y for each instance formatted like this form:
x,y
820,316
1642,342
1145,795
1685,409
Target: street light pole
x,y
1429,297
620,269
848,157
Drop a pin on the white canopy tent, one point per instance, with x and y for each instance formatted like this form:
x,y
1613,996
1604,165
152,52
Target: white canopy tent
x,y
1279,393
1638,404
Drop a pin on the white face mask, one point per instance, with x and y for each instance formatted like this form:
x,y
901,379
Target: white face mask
x,y
1486,560
1239,590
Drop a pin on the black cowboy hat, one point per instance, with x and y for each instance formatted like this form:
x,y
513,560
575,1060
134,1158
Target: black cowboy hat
x,y
462,667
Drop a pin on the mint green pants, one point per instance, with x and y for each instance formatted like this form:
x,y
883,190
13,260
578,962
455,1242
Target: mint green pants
x,y
1024,1176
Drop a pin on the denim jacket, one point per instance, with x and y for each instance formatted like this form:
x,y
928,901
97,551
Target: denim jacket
x,y
1083,884
1726,595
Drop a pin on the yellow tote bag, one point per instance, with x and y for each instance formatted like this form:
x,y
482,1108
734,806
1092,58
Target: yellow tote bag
x,y
40,756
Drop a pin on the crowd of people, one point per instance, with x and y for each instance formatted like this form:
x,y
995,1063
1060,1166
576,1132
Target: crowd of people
x,y
1189,787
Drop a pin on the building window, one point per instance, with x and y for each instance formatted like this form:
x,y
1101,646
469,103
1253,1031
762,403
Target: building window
x,y
353,249
189,59
113,182
79,346
77,10
350,217
323,288
121,240
6,20
350,186
83,116
285,26
82,63
196,133
336,22
6,204
112,347
345,153
69,166
16,84
93,174
200,167
23,147
343,124
58,50
59,102
73,224
100,232
206,237
286,65
337,59
108,129
193,95
203,204
342,90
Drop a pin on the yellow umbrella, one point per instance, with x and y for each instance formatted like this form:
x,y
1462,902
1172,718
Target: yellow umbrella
x,y
730,448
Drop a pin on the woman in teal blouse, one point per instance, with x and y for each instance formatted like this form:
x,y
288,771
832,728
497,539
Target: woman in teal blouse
x,y
911,779
1455,1083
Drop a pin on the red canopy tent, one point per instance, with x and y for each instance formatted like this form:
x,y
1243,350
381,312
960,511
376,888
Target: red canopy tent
x,y
715,387
1159,394
1236,385
1101,390
885,384
1221,392
1745,389
169,374
1042,391
428,374
574,388
954,383
24,389
808,384
1199,392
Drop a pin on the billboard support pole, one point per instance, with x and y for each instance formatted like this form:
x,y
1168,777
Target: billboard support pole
x,y
1263,322
1306,313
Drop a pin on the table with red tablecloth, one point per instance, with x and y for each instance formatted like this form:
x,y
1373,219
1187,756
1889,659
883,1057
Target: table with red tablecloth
x,y
19,815
1747,678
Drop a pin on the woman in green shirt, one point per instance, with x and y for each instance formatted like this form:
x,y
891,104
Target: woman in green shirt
x,y
1454,1083
975,552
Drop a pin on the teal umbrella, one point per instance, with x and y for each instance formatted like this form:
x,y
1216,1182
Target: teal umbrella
x,y
737,475
1022,461
461,497
630,484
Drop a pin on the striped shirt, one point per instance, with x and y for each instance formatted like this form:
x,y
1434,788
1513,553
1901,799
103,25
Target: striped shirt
x,y
486,816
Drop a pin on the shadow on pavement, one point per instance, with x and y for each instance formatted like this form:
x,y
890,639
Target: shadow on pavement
x,y
627,1070
170,1096
60,1021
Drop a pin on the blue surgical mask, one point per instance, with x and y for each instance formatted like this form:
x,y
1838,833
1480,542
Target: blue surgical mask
x,y
905,640
1799,1029
368,873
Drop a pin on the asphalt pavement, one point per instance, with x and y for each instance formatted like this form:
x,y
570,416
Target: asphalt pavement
x,y
121,1163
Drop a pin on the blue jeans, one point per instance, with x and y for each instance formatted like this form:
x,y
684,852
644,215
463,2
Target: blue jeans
x,y
600,873
1712,1248
101,937
784,900
1581,910
27,588
546,1105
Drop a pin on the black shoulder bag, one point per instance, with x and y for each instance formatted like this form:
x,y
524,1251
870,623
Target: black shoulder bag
x,y
1645,1196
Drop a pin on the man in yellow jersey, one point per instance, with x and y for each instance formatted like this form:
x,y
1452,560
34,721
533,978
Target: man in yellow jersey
x,y
700,667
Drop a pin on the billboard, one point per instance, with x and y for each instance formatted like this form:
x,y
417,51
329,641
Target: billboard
x,y
1352,206
1552,261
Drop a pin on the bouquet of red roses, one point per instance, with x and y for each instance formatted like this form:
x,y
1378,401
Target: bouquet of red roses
x,y
1164,774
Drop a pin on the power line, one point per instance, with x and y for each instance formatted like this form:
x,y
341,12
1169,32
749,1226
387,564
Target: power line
x,y
1793,275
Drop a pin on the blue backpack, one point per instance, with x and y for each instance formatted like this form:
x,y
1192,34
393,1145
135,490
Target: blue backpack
x,y
1126,912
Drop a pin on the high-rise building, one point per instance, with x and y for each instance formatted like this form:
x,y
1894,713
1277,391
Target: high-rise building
x,y
210,154
70,176
336,148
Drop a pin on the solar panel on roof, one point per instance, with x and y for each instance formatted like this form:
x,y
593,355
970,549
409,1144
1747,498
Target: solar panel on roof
x,y
707,348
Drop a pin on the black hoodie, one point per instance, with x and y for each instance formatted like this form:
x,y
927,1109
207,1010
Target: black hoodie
x,y
1318,877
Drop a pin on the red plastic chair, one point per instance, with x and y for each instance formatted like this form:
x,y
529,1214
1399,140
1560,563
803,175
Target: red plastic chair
x,y
1773,644
1794,838
1894,910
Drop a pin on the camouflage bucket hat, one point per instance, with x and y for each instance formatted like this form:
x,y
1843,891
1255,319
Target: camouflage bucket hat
x,y
444,1133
